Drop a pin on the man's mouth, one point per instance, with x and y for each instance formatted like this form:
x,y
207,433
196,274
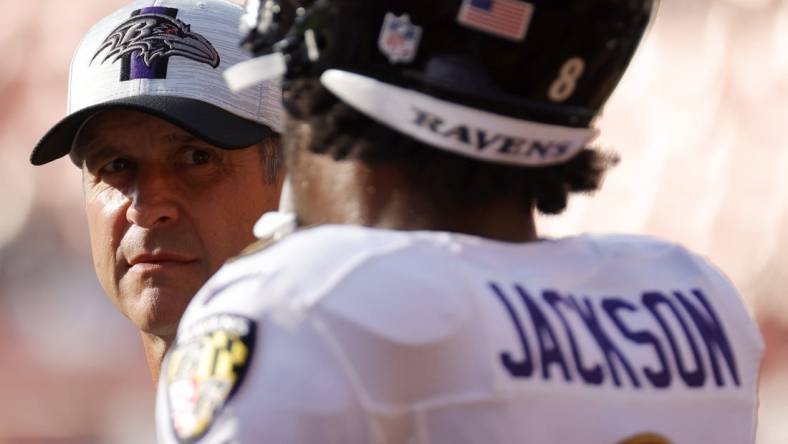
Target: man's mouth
x,y
159,261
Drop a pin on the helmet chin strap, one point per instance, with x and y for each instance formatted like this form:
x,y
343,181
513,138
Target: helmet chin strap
x,y
274,224
287,199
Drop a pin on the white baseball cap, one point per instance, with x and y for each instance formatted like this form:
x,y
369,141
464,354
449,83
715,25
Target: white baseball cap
x,y
166,58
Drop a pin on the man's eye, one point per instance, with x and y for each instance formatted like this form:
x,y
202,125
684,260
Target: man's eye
x,y
198,157
117,165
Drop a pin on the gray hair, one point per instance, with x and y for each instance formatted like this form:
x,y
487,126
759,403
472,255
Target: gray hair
x,y
271,157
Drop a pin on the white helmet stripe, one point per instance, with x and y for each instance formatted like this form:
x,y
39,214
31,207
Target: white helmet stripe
x,y
460,129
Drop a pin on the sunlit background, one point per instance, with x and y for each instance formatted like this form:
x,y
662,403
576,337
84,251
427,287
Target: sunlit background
x,y
701,121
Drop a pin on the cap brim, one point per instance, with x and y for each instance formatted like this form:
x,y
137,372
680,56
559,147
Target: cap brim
x,y
208,122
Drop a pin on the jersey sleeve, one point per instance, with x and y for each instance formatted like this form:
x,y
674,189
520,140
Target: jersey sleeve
x,y
747,327
239,375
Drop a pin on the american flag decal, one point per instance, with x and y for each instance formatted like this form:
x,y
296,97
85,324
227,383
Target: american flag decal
x,y
505,18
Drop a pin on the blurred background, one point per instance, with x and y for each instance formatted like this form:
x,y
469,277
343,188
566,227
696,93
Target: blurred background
x,y
700,121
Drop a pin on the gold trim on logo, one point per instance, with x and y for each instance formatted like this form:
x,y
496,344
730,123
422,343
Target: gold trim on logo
x,y
646,438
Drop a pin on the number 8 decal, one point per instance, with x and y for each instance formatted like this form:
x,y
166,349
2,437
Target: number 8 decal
x,y
565,85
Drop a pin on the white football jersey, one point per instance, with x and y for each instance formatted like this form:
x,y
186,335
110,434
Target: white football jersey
x,y
344,334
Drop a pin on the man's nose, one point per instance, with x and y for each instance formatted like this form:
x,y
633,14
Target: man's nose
x,y
153,200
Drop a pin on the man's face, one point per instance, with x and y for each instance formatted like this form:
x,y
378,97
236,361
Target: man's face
x,y
164,211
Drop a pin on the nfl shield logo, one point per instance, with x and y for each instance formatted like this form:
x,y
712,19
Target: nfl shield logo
x,y
399,38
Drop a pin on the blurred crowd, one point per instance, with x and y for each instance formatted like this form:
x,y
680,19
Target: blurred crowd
x,y
699,122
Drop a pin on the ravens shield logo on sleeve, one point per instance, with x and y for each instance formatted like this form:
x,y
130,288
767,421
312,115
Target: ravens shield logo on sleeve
x,y
205,369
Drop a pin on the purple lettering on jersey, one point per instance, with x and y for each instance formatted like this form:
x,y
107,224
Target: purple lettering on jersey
x,y
549,347
616,325
693,378
525,367
591,376
713,334
660,378
609,350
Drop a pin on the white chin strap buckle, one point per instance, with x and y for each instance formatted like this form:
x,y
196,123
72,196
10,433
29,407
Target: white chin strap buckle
x,y
275,225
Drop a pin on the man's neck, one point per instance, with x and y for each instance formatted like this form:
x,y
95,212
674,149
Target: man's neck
x,y
382,197
155,348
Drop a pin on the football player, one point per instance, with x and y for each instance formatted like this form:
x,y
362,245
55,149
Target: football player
x,y
408,298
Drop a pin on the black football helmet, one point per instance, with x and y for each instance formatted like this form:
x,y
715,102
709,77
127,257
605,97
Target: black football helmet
x,y
550,62
587,44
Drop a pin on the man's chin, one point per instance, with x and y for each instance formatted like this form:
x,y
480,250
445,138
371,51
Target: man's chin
x,y
157,311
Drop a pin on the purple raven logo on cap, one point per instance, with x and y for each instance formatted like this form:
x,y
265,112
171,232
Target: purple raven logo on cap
x,y
145,42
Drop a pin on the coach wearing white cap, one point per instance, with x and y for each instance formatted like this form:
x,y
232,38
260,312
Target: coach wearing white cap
x,y
176,168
